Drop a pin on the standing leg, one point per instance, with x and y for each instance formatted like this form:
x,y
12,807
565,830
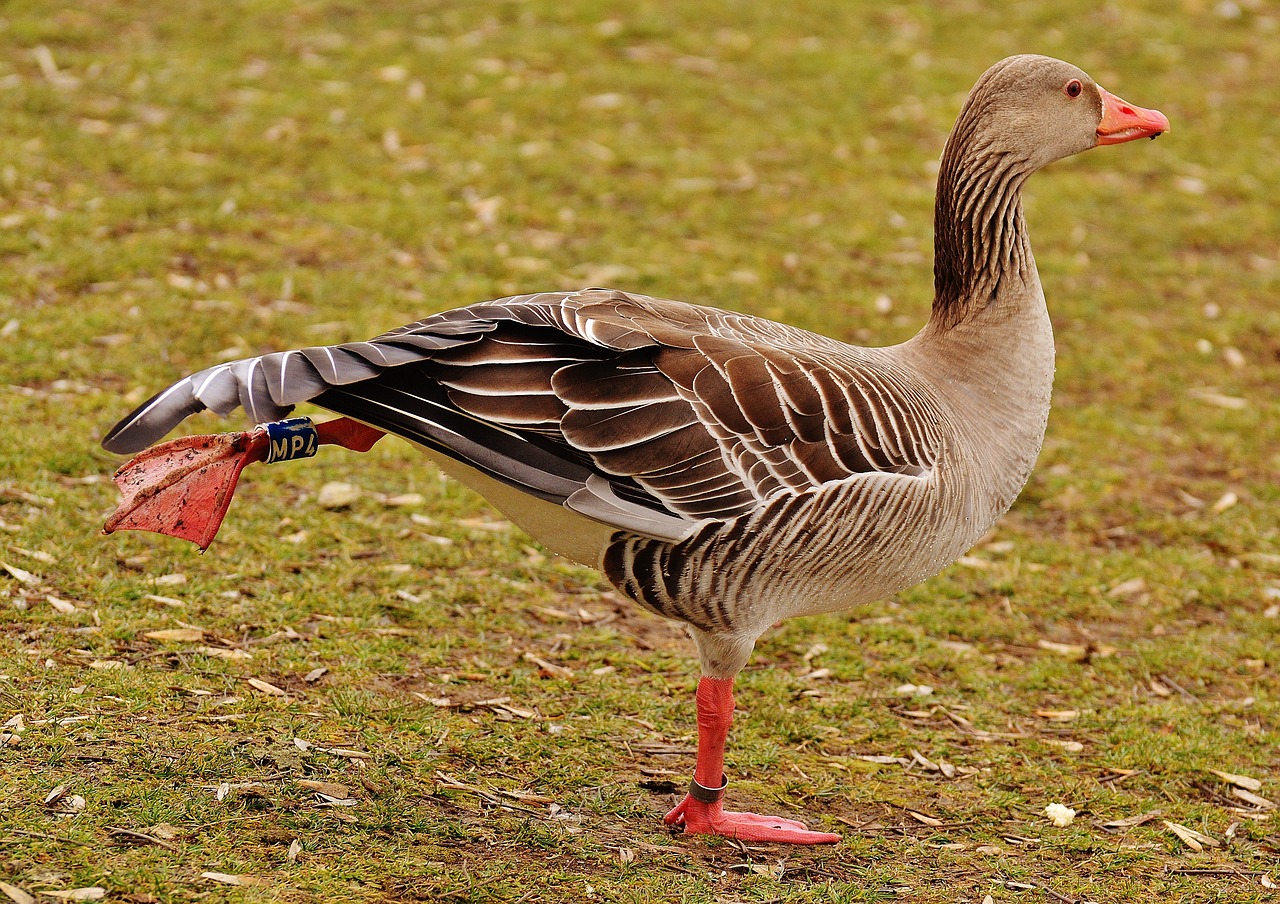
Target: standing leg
x,y
701,811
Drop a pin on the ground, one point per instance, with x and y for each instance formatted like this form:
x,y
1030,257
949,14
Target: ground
x,y
398,697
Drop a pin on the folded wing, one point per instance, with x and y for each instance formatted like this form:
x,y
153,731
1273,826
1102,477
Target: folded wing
x,y
647,415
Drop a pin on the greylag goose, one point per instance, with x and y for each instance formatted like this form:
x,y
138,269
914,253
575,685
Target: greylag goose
x,y
720,469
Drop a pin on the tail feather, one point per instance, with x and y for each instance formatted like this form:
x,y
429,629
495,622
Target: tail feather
x,y
155,417
255,397
216,388
268,387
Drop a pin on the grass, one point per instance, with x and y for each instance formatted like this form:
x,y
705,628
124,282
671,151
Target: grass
x,y
181,183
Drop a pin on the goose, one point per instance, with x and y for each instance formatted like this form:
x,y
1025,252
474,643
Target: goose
x,y
722,470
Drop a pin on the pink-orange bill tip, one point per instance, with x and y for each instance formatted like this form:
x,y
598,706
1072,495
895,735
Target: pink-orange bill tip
x,y
1122,121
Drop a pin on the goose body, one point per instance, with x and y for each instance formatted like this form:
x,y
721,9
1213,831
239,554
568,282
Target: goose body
x,y
721,469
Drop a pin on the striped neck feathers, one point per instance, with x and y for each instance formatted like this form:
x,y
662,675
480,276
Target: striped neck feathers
x,y
981,250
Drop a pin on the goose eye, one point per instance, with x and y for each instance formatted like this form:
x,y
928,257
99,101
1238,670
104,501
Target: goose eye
x,y
1073,88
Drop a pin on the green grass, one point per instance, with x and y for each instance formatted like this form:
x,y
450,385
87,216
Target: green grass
x,y
177,180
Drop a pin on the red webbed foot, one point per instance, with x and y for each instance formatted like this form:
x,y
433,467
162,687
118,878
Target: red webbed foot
x,y
703,818
183,488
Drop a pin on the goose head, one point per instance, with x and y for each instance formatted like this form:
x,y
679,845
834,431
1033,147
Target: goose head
x,y
1025,112
1037,109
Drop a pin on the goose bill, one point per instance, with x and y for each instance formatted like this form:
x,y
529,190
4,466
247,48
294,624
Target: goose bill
x,y
1122,121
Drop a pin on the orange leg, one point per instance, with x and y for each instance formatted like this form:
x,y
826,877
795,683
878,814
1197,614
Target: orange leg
x,y
702,811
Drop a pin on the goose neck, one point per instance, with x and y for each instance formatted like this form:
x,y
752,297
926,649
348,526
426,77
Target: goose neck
x,y
982,257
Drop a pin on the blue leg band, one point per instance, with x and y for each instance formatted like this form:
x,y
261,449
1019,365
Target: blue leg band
x,y
290,439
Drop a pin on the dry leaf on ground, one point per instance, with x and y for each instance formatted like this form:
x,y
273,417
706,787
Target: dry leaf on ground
x,y
131,836
266,687
404,499
63,804
223,653
816,650
1067,746
556,671
1210,396
163,830
1131,821
485,524
1197,841
1254,800
7,492
335,495
306,746
178,635
36,554
1240,781
22,577
924,761
229,879
448,781
1227,500
1131,587
16,894
331,789
64,606
924,819
1066,650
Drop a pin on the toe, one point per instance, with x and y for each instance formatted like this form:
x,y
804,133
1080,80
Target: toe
x,y
756,819
676,816
783,834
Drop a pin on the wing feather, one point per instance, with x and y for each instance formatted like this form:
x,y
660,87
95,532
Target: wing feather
x,y
529,411
604,429
520,378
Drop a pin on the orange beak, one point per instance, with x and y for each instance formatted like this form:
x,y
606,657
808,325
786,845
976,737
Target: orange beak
x,y
1122,121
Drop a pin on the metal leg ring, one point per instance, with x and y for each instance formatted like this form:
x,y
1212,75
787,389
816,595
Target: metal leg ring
x,y
708,795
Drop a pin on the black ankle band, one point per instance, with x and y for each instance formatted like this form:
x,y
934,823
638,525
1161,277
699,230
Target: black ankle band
x,y
708,795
